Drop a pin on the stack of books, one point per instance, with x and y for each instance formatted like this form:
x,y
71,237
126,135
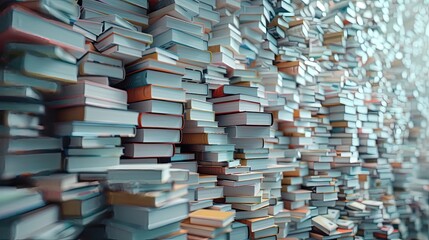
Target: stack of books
x,y
208,224
80,202
208,142
325,228
24,148
28,72
155,90
131,14
91,116
142,195
24,208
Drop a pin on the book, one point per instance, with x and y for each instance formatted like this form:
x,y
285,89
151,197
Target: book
x,y
151,218
204,231
144,135
14,165
82,207
152,173
211,218
146,199
157,106
149,120
150,92
149,150
231,90
36,66
116,229
17,201
34,220
148,77
97,115
13,78
257,224
56,33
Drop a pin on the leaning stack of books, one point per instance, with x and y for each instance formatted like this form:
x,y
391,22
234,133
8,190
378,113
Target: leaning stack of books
x,y
24,208
24,148
142,196
29,70
324,228
209,143
134,12
345,141
155,90
90,115
247,127
368,215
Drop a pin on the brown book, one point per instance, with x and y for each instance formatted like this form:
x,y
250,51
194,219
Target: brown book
x,y
82,207
218,48
146,199
340,124
291,205
288,64
298,172
292,180
290,70
204,138
156,92
295,23
333,35
215,170
335,41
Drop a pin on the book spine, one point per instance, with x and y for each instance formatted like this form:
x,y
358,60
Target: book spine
x,y
219,92
140,93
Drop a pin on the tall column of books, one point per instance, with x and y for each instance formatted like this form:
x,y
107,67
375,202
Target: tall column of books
x,y
255,119
36,65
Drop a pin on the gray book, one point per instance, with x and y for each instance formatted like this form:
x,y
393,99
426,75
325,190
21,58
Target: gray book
x,y
25,225
168,22
89,164
44,67
101,7
148,77
151,218
50,51
17,22
121,230
13,165
87,129
171,37
12,78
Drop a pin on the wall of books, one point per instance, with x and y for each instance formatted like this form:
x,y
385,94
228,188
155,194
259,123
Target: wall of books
x,y
214,119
